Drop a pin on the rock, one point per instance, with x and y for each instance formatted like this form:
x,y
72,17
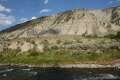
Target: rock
x,y
40,48
13,46
75,22
26,47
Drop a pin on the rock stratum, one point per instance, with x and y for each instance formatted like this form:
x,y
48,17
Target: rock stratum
x,y
76,30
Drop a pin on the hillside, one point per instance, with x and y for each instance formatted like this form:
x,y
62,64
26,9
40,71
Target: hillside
x,y
75,22
74,32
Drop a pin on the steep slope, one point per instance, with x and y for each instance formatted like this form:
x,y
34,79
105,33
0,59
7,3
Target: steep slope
x,y
75,22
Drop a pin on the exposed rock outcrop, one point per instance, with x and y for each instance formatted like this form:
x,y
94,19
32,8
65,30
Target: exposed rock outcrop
x,y
75,22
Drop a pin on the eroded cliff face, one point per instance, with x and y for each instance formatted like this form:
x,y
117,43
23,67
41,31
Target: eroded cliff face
x,y
75,22
81,23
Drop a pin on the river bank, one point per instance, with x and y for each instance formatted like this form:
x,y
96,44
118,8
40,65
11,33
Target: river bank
x,y
117,65
61,59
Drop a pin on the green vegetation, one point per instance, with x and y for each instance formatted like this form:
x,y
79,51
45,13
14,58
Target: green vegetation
x,y
113,36
64,51
57,57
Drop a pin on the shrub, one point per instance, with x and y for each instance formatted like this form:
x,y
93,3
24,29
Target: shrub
x,y
32,53
58,42
55,47
113,36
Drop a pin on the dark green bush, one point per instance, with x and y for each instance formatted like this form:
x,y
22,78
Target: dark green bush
x,y
33,53
113,36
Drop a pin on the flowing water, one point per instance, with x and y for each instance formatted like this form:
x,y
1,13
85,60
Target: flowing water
x,y
18,73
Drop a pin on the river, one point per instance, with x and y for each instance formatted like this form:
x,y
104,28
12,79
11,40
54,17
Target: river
x,y
25,73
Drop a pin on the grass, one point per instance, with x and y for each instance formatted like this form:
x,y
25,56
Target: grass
x,y
57,57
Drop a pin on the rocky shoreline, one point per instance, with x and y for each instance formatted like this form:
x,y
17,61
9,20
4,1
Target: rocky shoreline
x,y
117,66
